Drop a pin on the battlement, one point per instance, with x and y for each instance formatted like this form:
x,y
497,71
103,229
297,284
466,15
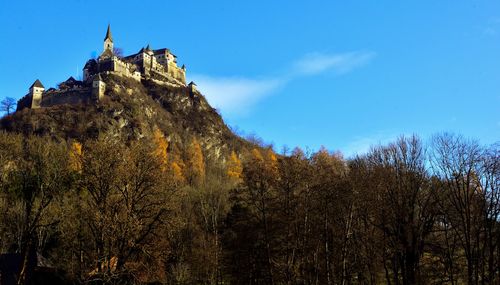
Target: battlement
x,y
71,91
159,65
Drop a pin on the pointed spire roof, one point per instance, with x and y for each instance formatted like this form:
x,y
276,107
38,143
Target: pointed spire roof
x,y
192,83
108,33
38,84
148,50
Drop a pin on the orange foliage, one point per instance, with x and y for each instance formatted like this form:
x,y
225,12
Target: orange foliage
x,y
234,167
257,156
160,151
195,162
75,156
177,175
271,163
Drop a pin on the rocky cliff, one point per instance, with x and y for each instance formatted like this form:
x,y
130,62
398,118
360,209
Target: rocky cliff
x,y
131,110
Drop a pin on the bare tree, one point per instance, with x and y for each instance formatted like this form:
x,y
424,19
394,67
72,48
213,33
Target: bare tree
x,y
402,205
490,182
118,52
7,105
458,163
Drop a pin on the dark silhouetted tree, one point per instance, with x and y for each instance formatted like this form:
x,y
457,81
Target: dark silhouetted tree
x,y
8,105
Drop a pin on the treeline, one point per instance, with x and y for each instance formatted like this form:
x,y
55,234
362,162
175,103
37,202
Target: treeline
x,y
104,211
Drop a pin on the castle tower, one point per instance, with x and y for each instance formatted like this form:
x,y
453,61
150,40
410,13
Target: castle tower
x,y
36,91
98,87
108,41
192,87
183,75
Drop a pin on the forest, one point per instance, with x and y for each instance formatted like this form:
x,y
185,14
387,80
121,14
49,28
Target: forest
x,y
104,211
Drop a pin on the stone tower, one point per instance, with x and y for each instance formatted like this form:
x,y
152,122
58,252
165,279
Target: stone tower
x,y
192,87
36,91
108,41
98,87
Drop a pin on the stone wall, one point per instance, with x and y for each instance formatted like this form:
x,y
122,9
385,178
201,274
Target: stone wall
x,y
119,67
75,96
58,97
176,72
24,102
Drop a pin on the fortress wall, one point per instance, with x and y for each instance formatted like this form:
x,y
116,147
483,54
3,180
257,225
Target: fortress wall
x,y
120,66
158,67
158,75
177,73
77,96
24,102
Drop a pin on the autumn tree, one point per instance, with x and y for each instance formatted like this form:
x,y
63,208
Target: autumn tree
x,y
329,172
234,167
37,175
127,199
10,150
195,163
160,151
177,170
75,156
210,205
295,207
107,211
100,179
369,240
254,207
142,198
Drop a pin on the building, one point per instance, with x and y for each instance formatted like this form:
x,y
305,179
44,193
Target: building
x,y
146,64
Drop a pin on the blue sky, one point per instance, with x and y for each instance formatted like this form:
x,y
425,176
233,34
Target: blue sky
x,y
343,74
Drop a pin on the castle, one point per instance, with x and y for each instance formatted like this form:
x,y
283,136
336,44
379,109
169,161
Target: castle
x,y
159,65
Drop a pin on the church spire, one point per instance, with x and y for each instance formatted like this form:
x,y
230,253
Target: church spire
x,y
108,34
108,43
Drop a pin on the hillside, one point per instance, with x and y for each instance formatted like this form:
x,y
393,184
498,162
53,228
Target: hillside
x,y
131,110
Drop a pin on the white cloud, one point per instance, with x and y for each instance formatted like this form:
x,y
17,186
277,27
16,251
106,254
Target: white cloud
x,y
315,63
236,95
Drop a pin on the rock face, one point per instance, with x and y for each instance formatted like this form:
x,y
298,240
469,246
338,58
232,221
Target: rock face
x,y
131,110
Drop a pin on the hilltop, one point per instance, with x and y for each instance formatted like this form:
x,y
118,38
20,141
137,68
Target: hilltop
x,y
131,110
125,97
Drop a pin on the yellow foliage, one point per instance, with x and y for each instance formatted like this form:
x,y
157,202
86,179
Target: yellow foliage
x,y
195,162
160,151
271,156
178,177
234,167
75,156
256,155
271,162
